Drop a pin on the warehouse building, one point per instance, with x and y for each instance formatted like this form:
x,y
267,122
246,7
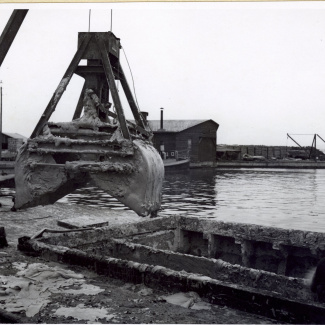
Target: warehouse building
x,y
11,142
193,139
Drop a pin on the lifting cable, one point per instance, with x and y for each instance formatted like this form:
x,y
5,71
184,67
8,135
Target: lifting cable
x,y
135,95
117,81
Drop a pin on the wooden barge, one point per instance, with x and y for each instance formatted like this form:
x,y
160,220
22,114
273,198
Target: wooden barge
x,y
253,268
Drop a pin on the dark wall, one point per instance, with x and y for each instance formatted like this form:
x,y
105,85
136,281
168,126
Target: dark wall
x,y
203,141
200,140
168,139
4,141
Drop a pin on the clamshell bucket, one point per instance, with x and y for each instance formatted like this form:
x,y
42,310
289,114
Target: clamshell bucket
x,y
140,189
135,180
100,146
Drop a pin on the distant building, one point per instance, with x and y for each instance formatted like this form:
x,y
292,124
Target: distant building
x,y
11,142
196,139
227,152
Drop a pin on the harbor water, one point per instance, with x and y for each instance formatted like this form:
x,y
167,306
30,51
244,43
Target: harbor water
x,y
286,198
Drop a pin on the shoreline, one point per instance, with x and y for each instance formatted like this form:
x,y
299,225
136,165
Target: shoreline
x,y
264,164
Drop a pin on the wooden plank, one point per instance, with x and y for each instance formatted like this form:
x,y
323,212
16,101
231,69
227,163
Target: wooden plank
x,y
83,222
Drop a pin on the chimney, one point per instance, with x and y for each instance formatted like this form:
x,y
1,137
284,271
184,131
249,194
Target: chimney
x,y
145,115
161,118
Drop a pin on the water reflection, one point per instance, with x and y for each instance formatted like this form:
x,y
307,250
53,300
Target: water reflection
x,y
189,192
286,198
279,197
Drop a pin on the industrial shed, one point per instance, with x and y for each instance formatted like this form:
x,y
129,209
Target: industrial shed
x,y
12,141
195,139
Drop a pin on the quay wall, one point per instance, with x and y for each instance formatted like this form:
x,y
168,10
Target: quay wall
x,y
273,164
261,164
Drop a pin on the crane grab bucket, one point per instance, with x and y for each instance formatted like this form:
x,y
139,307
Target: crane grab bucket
x,y
100,146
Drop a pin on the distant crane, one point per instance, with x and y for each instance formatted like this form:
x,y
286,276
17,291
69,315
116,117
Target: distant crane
x,y
313,145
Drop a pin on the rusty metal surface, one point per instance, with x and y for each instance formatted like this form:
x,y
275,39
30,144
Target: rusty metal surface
x,y
129,96
112,43
110,80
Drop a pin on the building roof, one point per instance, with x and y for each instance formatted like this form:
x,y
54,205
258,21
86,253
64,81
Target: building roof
x,y
175,125
14,135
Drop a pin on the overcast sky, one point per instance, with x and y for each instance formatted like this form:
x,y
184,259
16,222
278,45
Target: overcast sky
x,y
257,69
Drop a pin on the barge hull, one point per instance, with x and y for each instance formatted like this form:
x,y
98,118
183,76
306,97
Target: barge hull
x,y
223,262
